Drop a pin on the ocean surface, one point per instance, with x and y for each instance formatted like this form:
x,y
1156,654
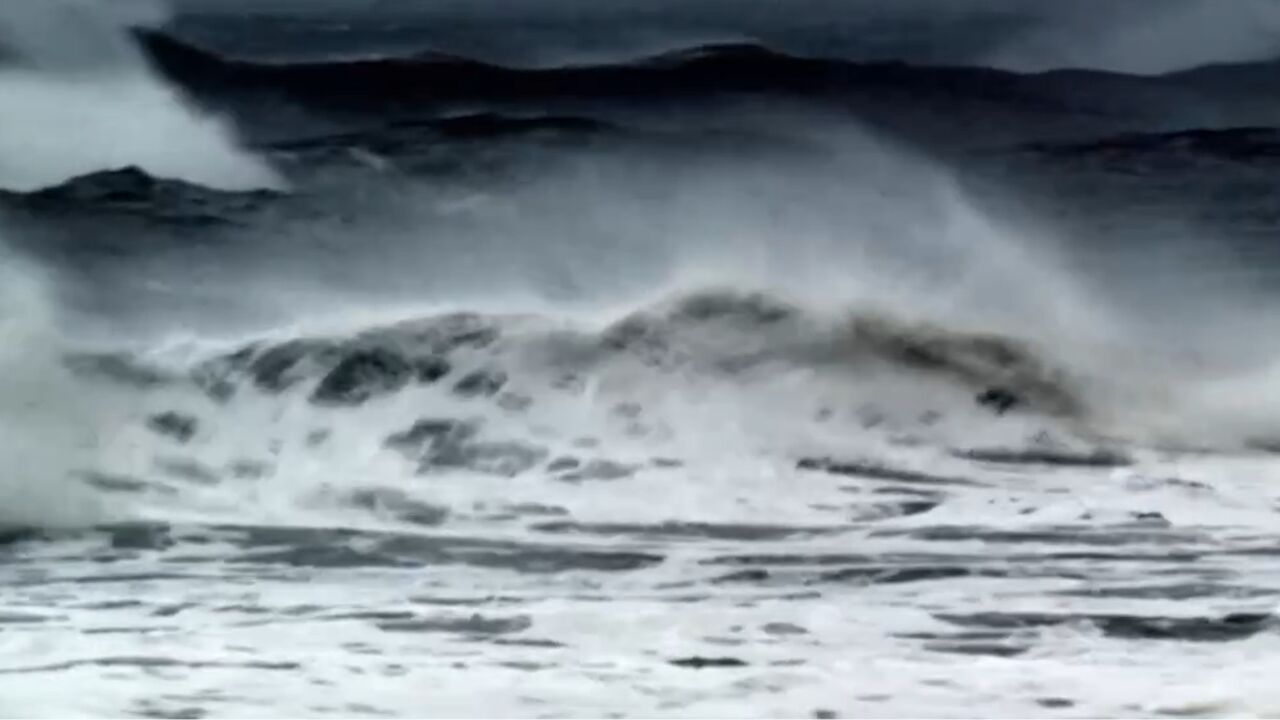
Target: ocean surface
x,y
344,373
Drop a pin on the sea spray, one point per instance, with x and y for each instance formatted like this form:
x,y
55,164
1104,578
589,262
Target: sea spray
x,y
79,98
49,425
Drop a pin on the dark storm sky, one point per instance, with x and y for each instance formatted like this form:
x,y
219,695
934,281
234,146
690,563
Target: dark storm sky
x,y
1144,36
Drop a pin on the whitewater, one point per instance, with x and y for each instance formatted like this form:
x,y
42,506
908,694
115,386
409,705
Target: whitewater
x,y
528,400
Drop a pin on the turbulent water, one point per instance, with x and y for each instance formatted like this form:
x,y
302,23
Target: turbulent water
x,y
717,382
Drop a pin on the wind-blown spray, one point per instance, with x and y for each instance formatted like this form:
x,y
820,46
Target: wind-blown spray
x,y
79,98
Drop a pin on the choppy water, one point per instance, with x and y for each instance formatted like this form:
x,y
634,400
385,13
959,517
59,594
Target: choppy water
x,y
717,589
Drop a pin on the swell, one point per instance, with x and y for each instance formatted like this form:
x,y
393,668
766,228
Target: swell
x,y
174,54
131,190
429,80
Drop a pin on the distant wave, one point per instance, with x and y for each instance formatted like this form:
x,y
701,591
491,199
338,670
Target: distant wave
x,y
929,100
135,191
1245,144
728,64
723,68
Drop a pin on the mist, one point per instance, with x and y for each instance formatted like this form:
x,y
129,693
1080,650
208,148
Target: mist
x,y
52,426
79,98
75,35
1149,38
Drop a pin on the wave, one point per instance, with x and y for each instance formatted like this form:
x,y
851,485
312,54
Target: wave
x,y
133,191
330,416
174,200
409,83
171,52
728,67
859,300
329,421
711,335
1249,144
580,400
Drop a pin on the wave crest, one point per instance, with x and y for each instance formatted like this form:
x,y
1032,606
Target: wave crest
x,y
714,334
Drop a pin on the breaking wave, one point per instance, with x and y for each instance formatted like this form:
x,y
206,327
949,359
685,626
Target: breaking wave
x,y
867,363
588,315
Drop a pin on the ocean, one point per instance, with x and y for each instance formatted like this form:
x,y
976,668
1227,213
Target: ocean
x,y
363,366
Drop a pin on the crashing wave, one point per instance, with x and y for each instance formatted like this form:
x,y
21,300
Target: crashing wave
x,y
718,334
